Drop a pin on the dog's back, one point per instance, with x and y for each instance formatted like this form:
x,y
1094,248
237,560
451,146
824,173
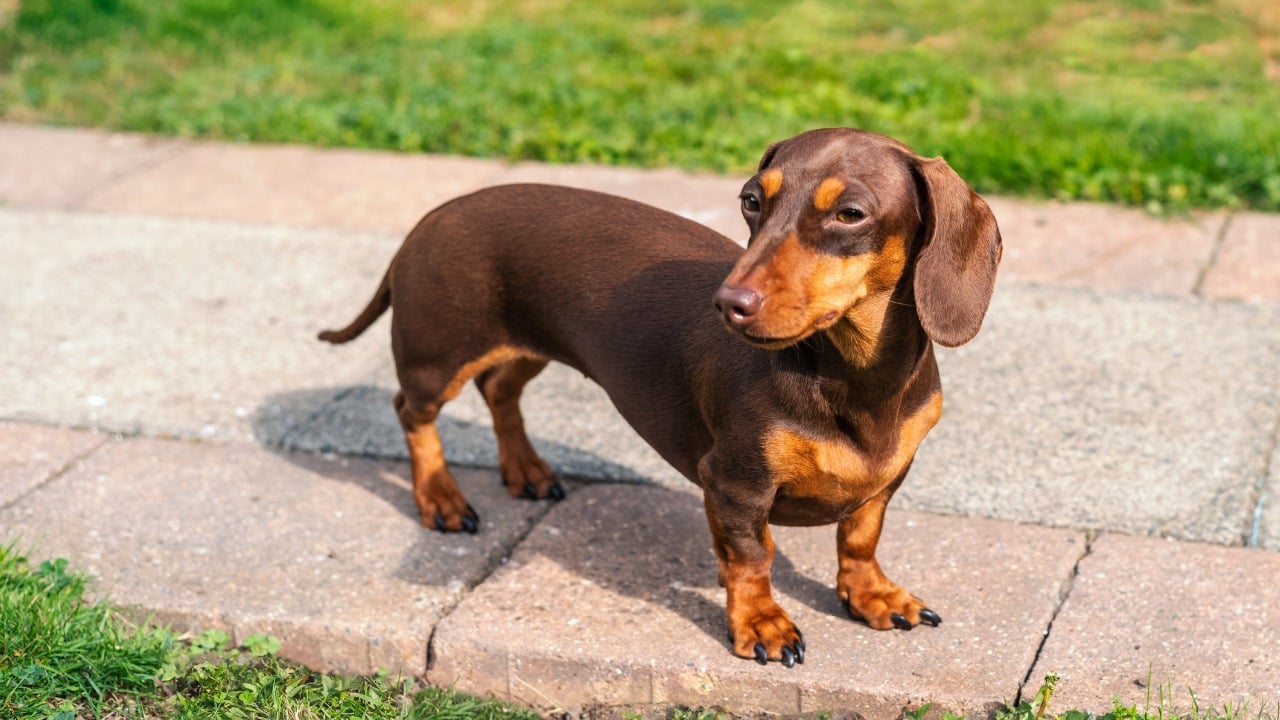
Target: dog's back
x,y
619,290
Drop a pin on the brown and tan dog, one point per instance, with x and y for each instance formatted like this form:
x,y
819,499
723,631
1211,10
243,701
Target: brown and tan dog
x,y
807,412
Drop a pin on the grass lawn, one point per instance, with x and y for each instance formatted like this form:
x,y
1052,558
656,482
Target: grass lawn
x,y
1164,103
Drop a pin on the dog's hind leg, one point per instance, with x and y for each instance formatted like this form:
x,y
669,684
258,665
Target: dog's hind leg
x,y
523,471
440,502
423,392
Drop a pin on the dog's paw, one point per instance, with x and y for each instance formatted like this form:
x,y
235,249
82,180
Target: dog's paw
x,y
767,634
438,517
529,477
883,605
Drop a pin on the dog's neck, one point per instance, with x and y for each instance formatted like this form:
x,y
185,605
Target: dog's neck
x,y
873,354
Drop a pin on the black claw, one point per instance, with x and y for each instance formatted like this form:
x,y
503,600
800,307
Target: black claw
x,y
800,652
440,524
555,492
530,491
762,655
930,617
469,525
900,622
788,657
800,642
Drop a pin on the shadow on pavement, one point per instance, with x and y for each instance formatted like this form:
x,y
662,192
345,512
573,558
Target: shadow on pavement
x,y
658,550
358,421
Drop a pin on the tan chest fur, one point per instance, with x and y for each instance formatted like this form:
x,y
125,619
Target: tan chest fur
x,y
824,478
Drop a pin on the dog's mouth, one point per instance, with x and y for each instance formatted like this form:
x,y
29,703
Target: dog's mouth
x,y
771,343
750,334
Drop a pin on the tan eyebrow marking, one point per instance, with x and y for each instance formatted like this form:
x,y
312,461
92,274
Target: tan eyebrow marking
x,y
827,193
771,181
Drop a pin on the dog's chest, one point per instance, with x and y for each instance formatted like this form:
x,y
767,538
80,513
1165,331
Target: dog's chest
x,y
821,479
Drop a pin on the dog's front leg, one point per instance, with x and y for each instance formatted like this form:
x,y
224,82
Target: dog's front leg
x,y
758,627
867,593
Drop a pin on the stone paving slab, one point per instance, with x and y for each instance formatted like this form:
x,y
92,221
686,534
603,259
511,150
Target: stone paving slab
x,y
1103,246
295,185
1144,414
32,454
44,167
176,327
1073,243
1248,263
1145,614
325,553
612,600
172,328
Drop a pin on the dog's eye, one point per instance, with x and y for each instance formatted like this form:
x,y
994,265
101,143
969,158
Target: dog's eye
x,y
750,203
849,216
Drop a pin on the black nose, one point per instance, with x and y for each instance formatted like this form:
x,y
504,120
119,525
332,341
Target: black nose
x,y
738,304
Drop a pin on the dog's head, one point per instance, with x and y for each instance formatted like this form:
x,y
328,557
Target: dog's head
x,y
843,222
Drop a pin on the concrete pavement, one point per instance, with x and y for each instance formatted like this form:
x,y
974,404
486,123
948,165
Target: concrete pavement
x,y
1097,501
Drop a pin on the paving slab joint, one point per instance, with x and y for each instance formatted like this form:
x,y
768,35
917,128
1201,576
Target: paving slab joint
x,y
172,150
1220,239
431,637
492,567
1260,489
1064,592
288,440
59,472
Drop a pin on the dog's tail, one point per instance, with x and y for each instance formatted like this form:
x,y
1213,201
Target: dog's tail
x,y
378,305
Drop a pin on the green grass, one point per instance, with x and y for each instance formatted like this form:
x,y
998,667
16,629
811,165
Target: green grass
x,y
56,651
1164,103
63,657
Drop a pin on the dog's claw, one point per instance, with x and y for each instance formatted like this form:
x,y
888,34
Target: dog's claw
x,y
556,492
900,622
469,525
788,658
762,655
930,617
530,491
800,652
440,523
800,642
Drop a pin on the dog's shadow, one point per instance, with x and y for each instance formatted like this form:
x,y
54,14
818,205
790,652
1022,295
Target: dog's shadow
x,y
655,548
653,543
358,420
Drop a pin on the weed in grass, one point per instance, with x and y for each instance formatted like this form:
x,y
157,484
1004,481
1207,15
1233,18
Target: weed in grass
x,y
207,678
1164,708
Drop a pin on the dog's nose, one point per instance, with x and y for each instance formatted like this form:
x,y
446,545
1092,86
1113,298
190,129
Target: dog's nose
x,y
738,304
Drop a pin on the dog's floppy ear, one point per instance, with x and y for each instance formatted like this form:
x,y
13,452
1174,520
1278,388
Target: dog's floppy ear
x,y
956,267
